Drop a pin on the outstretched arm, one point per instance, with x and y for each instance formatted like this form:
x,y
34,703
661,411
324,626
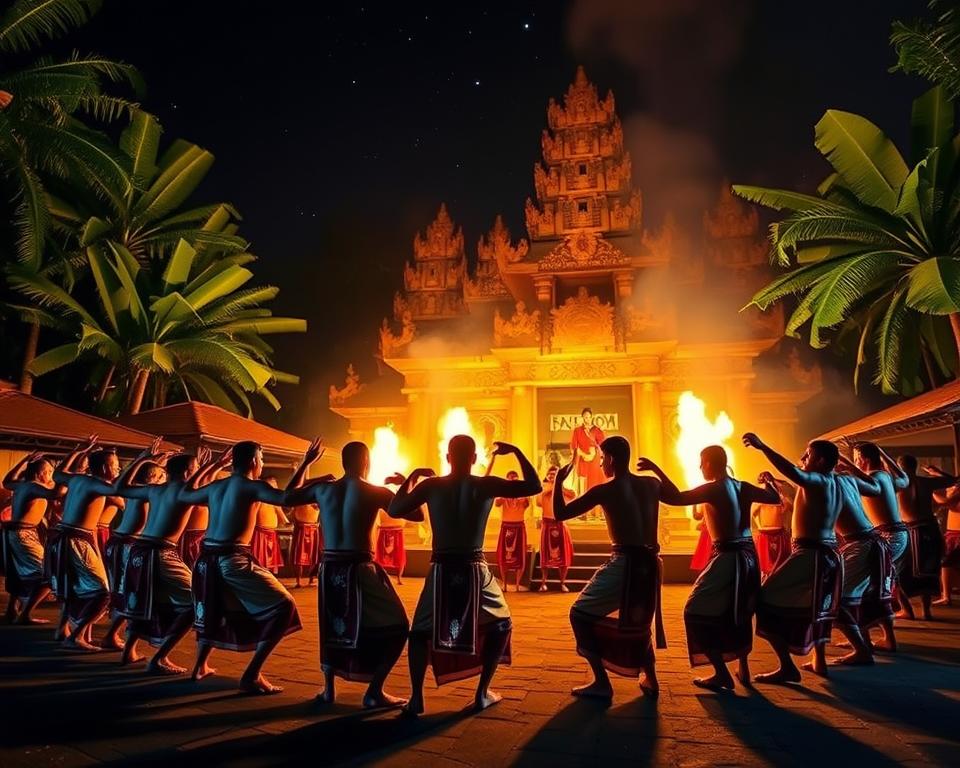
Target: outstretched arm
x,y
900,478
528,485
63,472
13,476
670,494
310,456
567,510
866,485
406,504
783,465
768,494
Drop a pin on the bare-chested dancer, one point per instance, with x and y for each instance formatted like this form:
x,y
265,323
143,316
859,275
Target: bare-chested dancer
x,y
629,582
512,542
772,524
155,576
77,573
31,481
456,633
799,601
556,546
950,499
884,512
226,568
719,612
921,576
355,645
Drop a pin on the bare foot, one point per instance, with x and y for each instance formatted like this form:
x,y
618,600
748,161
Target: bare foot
x,y
30,621
131,655
855,659
942,601
564,588
486,699
595,691
113,643
75,643
259,687
780,676
326,696
543,588
811,666
205,671
164,667
714,682
381,700
649,686
902,614
413,708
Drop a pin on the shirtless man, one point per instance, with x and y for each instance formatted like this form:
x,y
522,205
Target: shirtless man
x,y
307,542
772,523
950,498
155,574
884,512
629,582
921,576
458,505
512,543
556,546
31,481
265,545
355,645
191,540
78,576
719,612
799,601
225,574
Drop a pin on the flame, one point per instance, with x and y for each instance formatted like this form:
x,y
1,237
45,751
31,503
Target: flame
x,y
386,456
696,433
456,421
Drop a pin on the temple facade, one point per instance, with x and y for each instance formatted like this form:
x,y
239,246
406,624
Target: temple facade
x,y
590,309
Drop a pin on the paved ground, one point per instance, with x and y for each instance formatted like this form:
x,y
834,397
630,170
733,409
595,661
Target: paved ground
x,y
64,710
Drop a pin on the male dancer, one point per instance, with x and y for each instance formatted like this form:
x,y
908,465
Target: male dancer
x,y
884,512
31,481
629,582
951,543
265,545
307,542
237,604
462,622
556,546
158,601
719,611
799,600
363,624
192,539
512,543
772,521
921,577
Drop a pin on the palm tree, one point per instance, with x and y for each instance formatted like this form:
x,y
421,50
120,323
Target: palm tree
x,y
187,329
931,49
40,135
877,250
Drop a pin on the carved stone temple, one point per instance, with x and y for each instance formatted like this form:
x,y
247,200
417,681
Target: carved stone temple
x,y
590,308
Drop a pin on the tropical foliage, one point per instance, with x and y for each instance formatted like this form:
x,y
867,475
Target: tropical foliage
x,y
876,252
932,48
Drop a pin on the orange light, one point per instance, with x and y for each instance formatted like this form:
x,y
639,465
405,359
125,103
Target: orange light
x,y
386,457
697,431
456,421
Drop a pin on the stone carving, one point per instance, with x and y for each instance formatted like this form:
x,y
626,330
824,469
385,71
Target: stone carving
x,y
497,245
582,321
392,344
522,326
596,369
552,151
351,387
583,250
441,242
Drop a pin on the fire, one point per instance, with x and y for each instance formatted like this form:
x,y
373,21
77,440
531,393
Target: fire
x,y
456,421
696,433
386,456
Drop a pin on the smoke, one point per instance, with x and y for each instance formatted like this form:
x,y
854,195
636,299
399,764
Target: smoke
x,y
679,52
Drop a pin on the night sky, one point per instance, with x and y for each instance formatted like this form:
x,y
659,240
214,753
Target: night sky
x,y
338,135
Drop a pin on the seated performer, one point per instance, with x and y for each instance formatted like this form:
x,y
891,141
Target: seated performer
x,y
307,542
390,552
867,594
73,562
265,546
31,482
629,582
884,512
237,604
158,602
799,600
772,523
462,622
951,543
921,576
556,546
512,543
719,612
363,624
115,553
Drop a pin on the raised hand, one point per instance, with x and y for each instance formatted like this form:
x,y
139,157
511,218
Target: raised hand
x,y
33,457
751,440
314,452
224,458
88,446
396,478
203,455
501,448
766,478
646,465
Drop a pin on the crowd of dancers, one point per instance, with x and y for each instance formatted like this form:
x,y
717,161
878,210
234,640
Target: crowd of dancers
x,y
196,548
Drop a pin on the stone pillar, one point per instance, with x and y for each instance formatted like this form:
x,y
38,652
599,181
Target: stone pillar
x,y
523,421
422,433
543,284
647,419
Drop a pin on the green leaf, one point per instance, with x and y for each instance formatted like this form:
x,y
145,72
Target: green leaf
x,y
778,199
931,124
266,326
28,22
890,335
177,271
93,230
140,141
934,286
53,359
218,286
152,357
867,161
173,186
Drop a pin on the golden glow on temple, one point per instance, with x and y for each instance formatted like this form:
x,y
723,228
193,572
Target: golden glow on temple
x,y
592,307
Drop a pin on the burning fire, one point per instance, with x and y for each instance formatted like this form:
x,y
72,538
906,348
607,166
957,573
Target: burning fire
x,y
386,456
696,433
456,421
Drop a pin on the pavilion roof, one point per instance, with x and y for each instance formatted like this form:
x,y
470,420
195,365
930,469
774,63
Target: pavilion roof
x,y
938,408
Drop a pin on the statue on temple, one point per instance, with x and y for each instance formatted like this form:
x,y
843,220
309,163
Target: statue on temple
x,y
350,387
523,325
553,183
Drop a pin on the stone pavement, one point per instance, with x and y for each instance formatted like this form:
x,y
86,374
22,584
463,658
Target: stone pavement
x,y
61,709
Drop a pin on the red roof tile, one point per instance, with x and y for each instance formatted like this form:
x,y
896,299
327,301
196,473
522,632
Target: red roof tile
x,y
25,416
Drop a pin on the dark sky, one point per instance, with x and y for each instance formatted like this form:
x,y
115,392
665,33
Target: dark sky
x,y
338,135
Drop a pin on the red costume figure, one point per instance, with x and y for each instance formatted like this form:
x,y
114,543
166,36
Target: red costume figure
x,y
307,542
512,544
391,554
585,446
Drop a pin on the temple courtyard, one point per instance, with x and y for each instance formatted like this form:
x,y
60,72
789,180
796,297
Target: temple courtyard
x,y
63,709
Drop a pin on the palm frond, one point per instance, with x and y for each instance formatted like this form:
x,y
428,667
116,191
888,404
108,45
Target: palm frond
x,y
28,22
